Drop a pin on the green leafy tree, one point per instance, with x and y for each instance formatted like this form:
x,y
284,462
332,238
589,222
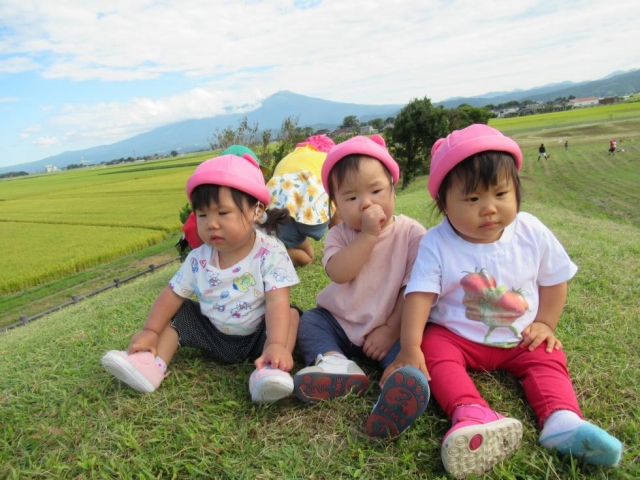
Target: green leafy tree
x,y
377,123
174,153
350,122
465,115
290,135
416,128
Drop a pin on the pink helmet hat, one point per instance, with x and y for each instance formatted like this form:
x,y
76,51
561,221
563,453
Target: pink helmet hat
x,y
241,173
373,146
448,152
320,143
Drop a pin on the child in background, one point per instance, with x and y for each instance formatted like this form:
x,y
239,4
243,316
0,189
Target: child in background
x,y
492,282
296,186
368,257
241,277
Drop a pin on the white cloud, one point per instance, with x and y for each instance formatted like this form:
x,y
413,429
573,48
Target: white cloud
x,y
392,48
236,53
45,142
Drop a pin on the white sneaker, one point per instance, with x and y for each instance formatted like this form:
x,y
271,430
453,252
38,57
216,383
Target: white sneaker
x,y
330,377
268,385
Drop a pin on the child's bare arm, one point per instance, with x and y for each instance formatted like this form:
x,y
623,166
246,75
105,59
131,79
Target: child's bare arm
x,y
277,318
345,265
552,301
161,313
379,341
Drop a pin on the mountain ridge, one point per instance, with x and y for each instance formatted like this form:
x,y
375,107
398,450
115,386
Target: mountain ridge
x,y
194,134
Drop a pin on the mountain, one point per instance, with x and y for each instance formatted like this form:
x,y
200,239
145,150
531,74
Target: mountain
x,y
192,135
625,83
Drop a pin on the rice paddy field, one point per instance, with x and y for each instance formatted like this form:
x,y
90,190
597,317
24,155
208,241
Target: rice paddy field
x,y
64,228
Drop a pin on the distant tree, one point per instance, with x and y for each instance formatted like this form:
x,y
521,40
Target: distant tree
x,y
322,131
350,122
244,134
266,157
290,135
415,129
465,115
174,153
389,120
377,123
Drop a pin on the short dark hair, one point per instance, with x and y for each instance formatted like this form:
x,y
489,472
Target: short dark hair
x,y
346,166
482,169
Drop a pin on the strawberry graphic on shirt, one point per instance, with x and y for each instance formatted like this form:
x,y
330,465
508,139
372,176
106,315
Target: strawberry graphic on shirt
x,y
496,307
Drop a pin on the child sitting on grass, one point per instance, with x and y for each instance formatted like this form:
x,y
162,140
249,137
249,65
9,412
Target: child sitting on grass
x,y
492,282
241,277
368,258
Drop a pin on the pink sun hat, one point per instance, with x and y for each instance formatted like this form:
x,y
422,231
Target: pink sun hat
x,y
241,173
373,146
448,152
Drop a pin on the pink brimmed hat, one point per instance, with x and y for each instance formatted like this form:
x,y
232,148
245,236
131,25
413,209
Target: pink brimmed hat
x,y
373,146
241,173
447,152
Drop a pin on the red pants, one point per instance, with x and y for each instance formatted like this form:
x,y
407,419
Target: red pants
x,y
543,375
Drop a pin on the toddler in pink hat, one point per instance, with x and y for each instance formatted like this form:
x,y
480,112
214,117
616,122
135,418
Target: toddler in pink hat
x,y
489,283
241,277
368,258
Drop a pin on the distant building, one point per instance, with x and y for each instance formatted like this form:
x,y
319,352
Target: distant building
x,y
50,168
584,102
507,112
368,130
609,100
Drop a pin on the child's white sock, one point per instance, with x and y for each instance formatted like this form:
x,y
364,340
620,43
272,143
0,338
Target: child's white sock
x,y
569,434
161,365
559,422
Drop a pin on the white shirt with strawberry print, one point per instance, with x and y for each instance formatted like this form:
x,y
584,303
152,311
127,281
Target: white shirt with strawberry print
x,y
488,292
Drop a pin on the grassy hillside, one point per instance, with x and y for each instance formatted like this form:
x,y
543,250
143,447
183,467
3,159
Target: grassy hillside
x,y
64,417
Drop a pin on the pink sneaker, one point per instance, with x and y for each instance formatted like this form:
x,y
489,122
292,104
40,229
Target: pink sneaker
x,y
478,440
268,385
139,370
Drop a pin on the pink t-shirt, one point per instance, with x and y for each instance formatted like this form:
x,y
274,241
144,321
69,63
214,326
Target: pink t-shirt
x,y
366,302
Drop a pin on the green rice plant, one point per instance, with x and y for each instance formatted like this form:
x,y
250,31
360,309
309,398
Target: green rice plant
x,y
36,252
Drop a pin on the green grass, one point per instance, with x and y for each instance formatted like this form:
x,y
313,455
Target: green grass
x,y
62,416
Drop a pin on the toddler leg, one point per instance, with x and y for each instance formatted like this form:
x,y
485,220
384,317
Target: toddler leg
x,y
403,399
570,435
478,440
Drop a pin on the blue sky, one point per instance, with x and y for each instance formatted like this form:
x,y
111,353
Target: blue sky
x,y
76,74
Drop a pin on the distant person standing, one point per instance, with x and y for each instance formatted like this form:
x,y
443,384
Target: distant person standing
x,y
542,152
566,145
612,147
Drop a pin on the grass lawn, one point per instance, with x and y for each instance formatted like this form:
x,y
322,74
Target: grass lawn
x,y
62,416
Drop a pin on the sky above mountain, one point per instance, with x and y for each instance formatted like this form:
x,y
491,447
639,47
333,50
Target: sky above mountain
x,y
76,74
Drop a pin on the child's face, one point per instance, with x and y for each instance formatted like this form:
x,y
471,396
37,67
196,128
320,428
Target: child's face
x,y
226,227
482,215
369,187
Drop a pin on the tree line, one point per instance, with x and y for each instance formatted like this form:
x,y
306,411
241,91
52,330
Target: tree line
x,y
409,135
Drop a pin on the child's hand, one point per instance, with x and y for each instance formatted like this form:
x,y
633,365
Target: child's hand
x,y
537,333
407,356
377,344
275,356
144,341
373,218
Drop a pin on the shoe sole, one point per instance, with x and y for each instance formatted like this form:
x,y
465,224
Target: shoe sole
x,y
124,371
403,399
477,448
315,387
268,390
